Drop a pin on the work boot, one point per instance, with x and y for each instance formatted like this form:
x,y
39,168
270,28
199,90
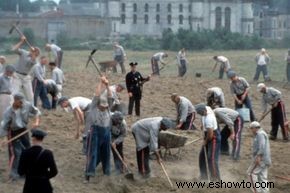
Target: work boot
x,y
272,137
87,180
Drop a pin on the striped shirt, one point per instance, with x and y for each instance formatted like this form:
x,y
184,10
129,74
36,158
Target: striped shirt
x,y
240,86
226,115
271,97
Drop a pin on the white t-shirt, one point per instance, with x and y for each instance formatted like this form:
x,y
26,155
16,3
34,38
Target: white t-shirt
x,y
209,120
81,102
262,60
222,59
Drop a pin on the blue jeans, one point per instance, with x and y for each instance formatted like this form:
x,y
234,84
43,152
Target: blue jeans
x,y
248,104
39,89
264,70
212,149
98,150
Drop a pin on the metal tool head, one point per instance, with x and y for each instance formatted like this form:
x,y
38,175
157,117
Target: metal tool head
x,y
129,176
13,27
93,51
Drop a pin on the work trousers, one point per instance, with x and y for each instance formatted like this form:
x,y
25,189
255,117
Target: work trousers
x,y
264,70
247,102
15,149
212,150
155,66
278,116
23,82
182,68
120,60
188,124
98,150
143,161
40,90
117,161
134,100
258,175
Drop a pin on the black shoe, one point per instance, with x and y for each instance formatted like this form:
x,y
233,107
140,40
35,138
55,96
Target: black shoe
x,y
87,179
272,137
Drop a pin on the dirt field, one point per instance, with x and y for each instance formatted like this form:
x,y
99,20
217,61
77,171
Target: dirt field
x,y
156,102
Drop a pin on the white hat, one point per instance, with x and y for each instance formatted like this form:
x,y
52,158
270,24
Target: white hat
x,y
263,50
260,86
255,124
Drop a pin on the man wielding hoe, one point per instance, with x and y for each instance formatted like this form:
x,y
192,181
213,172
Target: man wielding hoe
x,y
145,132
156,60
209,154
273,97
99,135
80,107
56,52
215,97
37,165
27,59
225,66
15,122
240,91
233,129
39,83
261,154
58,77
185,112
119,56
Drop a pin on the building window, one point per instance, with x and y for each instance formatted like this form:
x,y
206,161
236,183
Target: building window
x,y
157,7
146,19
180,19
180,8
198,27
146,7
261,14
123,19
157,18
218,18
284,24
189,20
189,8
169,7
134,19
134,7
123,7
169,19
249,29
228,18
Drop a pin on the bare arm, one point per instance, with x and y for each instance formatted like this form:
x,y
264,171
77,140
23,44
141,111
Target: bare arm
x,y
19,44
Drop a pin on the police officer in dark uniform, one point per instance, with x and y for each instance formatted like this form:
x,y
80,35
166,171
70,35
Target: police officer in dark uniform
x,y
134,83
37,165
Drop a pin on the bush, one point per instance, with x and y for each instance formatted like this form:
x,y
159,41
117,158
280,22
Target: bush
x,y
220,39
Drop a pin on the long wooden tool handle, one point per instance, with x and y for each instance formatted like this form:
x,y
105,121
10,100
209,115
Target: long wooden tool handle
x,y
121,159
206,164
94,62
21,34
16,137
188,143
264,115
166,174
283,178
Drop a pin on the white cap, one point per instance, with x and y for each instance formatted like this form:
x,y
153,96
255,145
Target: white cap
x,y
263,50
255,124
260,86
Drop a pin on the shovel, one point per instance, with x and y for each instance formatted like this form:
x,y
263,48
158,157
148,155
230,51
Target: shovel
x,y
129,174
